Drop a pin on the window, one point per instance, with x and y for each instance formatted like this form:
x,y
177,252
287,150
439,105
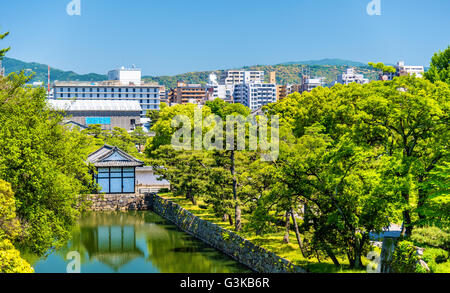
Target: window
x,y
98,120
116,180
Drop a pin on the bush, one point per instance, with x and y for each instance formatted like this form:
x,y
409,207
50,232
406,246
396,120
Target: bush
x,y
10,260
437,260
431,236
405,259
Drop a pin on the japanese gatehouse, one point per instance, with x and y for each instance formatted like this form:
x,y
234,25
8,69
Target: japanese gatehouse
x,y
116,170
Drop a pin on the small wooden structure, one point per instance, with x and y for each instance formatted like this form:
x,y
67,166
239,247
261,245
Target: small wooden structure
x,y
116,170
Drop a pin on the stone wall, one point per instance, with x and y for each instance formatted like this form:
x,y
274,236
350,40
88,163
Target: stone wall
x,y
243,251
118,202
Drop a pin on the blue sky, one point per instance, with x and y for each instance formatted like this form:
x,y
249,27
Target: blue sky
x,y
165,37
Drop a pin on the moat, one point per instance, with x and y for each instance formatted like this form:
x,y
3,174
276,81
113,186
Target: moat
x,y
135,242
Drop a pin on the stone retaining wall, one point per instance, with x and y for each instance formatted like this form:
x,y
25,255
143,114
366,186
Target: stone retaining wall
x,y
118,202
243,251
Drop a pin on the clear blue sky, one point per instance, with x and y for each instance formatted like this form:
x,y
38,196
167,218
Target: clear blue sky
x,y
177,36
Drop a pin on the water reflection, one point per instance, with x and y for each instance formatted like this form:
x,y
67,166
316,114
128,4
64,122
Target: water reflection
x,y
136,242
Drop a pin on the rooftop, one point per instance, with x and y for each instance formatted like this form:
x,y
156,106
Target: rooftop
x,y
110,156
95,105
105,83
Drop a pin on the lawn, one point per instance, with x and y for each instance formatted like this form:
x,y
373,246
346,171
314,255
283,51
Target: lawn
x,y
272,242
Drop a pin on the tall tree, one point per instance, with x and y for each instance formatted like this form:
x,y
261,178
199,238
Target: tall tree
x,y
43,161
440,67
3,51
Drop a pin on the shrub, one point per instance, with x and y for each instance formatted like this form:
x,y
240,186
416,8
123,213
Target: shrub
x,y
431,236
10,260
437,260
405,259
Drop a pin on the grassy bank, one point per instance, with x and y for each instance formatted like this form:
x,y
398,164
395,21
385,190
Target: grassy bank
x,y
272,242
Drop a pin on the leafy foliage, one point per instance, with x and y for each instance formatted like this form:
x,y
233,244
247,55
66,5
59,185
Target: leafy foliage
x,y
43,161
10,260
431,236
440,67
405,259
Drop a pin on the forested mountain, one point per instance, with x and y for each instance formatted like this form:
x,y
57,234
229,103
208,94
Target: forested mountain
x,y
290,72
40,70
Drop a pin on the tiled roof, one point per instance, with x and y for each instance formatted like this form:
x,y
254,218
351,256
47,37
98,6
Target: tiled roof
x,y
101,158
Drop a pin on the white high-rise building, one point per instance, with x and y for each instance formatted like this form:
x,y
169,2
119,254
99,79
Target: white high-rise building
x,y
124,84
255,94
351,76
233,77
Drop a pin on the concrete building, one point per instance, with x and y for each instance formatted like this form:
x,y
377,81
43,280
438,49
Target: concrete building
x,y
125,84
108,114
403,69
273,77
187,93
351,76
233,77
283,91
163,95
215,90
255,95
308,84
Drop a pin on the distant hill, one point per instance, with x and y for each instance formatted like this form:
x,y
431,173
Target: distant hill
x,y
324,62
40,70
286,74
290,72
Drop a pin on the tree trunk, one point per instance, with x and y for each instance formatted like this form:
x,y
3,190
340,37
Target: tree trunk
x,y
422,198
407,226
237,213
288,224
297,233
332,256
230,218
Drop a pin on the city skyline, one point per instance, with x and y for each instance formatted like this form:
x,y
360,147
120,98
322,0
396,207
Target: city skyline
x,y
178,37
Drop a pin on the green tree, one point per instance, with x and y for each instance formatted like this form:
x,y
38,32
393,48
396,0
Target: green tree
x,y
10,229
382,67
43,161
139,137
3,51
361,151
440,67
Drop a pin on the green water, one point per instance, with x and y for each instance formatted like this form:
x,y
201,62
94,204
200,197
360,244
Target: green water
x,y
135,242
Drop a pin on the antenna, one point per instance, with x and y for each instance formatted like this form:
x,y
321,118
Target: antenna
x,y
48,82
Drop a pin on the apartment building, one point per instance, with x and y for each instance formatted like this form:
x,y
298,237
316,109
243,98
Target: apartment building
x,y
187,93
282,91
123,84
351,76
233,77
255,94
215,90
308,84
403,69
